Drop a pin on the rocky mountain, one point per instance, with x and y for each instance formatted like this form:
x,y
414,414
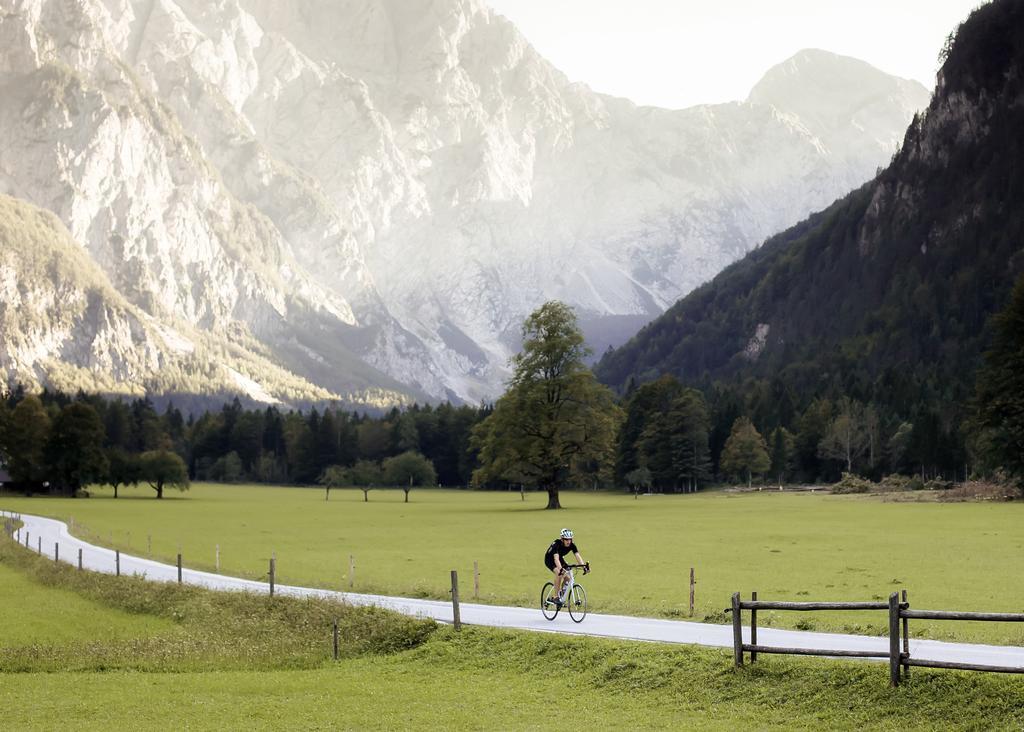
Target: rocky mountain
x,y
884,296
372,194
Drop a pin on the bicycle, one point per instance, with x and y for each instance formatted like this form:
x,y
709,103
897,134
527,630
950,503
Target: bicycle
x,y
573,597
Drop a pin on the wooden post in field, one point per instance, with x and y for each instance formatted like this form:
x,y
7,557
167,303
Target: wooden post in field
x,y
117,562
522,492
894,639
26,539
273,562
737,631
335,639
217,559
906,641
456,620
476,581
753,628
39,545
56,551
179,566
79,557
351,571
693,582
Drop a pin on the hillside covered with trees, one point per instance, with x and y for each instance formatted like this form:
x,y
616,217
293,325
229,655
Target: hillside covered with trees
x,y
874,313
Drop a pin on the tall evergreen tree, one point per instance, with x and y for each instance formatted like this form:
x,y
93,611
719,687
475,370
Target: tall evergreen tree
x,y
28,429
999,400
74,450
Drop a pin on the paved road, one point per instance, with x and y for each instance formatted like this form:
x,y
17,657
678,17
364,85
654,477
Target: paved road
x,y
48,532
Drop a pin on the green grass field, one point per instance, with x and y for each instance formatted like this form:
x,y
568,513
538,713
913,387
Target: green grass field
x,y
205,660
61,616
788,546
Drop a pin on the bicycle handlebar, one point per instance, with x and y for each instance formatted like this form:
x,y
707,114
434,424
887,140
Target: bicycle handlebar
x,y
584,567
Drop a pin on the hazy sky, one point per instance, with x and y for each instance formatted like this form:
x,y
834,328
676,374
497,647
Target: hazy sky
x,y
676,53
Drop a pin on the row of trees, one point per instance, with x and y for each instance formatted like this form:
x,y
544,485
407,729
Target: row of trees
x,y
67,447
555,426
52,441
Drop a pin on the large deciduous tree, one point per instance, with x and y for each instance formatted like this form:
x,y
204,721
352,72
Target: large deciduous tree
x,y
555,423
365,474
334,476
123,468
999,400
847,437
163,468
409,469
745,451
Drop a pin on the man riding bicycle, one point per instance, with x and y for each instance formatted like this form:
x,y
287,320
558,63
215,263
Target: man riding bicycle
x,y
554,561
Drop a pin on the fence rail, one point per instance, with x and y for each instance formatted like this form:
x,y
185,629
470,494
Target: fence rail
x,y
899,614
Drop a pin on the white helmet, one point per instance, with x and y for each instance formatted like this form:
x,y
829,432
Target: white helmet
x,y
566,533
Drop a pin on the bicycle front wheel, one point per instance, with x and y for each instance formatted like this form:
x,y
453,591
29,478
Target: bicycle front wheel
x,y
549,610
578,604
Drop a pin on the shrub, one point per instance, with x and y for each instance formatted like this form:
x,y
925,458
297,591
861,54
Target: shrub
x,y
893,483
915,484
851,483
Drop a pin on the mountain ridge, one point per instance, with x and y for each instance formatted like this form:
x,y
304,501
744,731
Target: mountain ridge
x,y
885,296
381,190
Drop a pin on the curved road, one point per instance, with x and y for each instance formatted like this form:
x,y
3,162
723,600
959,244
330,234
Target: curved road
x,y
50,532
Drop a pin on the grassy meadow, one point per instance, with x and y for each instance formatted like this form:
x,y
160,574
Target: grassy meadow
x,y
188,658
787,546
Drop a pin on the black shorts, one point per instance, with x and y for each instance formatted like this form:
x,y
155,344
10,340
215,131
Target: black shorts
x,y
549,562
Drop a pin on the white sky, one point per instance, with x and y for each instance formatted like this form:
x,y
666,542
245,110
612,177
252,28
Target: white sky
x,y
677,53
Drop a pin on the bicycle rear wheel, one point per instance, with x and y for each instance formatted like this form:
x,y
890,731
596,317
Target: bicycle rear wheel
x,y
577,604
548,610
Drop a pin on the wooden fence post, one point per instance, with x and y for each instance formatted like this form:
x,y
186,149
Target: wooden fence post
x,y
56,551
273,561
26,539
692,583
79,557
737,631
39,545
906,640
753,628
351,571
476,580
457,621
179,567
117,562
894,639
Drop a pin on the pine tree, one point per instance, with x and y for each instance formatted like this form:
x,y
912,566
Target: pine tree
x,y
999,400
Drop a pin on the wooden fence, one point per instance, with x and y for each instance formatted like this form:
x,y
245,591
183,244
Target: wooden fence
x,y
898,654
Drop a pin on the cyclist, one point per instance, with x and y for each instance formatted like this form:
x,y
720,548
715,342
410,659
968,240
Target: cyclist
x,y
553,557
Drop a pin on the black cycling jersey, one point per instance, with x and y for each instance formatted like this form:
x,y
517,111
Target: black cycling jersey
x,y
559,548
